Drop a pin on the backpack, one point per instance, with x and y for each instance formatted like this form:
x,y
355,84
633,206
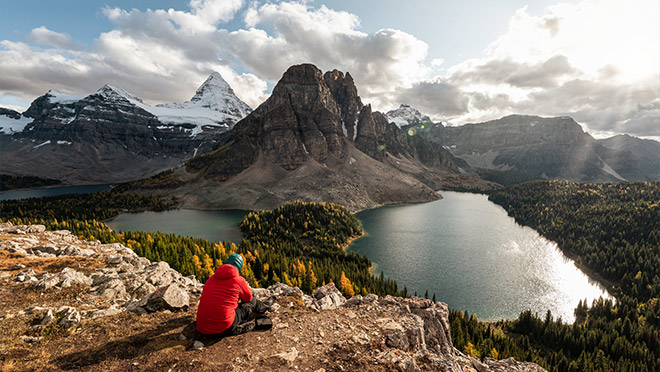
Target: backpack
x,y
263,323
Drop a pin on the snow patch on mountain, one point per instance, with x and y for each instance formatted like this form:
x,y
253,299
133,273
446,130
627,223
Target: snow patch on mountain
x,y
10,125
406,115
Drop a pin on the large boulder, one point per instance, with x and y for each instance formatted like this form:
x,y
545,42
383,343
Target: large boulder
x,y
169,297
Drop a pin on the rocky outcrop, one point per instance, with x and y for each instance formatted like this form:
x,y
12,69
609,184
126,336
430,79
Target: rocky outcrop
x,y
133,283
406,334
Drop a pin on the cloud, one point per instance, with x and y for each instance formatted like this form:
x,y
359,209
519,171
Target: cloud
x,y
161,55
380,62
506,71
436,98
43,36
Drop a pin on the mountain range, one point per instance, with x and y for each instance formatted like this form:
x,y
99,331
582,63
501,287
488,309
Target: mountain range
x,y
520,147
113,136
314,140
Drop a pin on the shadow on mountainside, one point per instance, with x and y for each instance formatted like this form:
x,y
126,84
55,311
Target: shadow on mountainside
x,y
146,342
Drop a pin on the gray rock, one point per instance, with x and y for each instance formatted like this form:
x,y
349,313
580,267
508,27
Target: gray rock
x,y
360,300
70,277
31,339
198,345
47,282
112,288
328,297
35,229
169,297
160,274
112,310
70,317
6,226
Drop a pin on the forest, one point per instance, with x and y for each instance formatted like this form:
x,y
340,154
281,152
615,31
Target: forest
x,y
8,182
610,229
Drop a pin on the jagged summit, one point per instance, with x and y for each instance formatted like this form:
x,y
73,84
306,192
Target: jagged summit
x,y
110,91
406,115
214,83
214,94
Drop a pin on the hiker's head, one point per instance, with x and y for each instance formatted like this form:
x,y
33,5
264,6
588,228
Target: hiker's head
x,y
235,260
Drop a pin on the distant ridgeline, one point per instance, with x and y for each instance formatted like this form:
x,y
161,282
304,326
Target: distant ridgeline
x,y
300,244
611,230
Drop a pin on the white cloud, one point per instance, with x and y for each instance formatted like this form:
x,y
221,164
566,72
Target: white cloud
x,y
380,62
44,36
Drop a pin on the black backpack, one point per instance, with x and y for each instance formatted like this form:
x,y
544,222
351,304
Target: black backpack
x,y
263,323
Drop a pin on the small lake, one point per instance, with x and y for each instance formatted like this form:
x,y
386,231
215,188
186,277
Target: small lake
x,y
474,256
210,225
52,191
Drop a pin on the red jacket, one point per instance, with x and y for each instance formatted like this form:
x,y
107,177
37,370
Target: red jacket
x,y
219,300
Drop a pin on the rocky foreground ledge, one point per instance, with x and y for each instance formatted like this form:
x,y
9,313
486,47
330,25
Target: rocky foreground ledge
x,y
73,304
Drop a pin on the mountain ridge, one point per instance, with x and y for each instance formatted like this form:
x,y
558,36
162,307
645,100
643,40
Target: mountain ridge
x,y
111,135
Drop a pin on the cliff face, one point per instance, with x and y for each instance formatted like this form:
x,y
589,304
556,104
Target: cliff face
x,y
89,306
314,140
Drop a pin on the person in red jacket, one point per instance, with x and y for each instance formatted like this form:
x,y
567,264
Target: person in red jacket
x,y
219,312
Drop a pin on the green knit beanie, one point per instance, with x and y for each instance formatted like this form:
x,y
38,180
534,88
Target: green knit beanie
x,y
236,260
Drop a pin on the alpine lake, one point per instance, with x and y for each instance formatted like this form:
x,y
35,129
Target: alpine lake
x,y
463,248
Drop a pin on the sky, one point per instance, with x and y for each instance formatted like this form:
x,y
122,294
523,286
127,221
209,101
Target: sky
x,y
466,61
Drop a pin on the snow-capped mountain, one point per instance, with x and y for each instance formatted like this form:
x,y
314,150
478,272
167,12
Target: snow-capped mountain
x,y
111,135
214,107
406,115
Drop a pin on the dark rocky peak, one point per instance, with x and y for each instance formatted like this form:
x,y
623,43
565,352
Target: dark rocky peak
x,y
10,113
345,94
303,74
370,137
299,120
